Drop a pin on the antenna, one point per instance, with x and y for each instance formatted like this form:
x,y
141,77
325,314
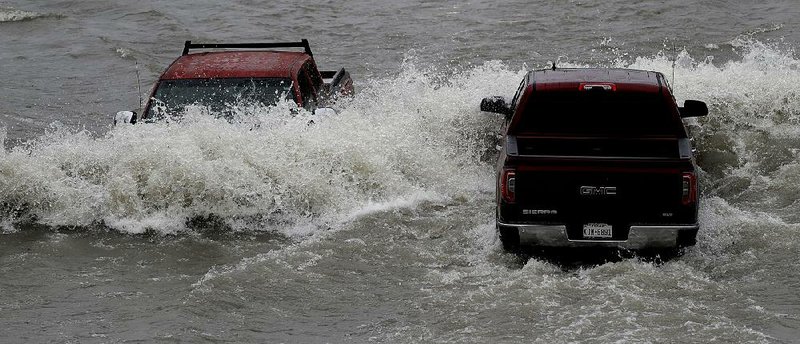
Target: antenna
x,y
556,61
138,83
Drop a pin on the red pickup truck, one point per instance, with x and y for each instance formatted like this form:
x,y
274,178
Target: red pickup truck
x,y
595,158
247,73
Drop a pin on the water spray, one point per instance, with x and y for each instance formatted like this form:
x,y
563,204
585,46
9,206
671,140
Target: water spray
x,y
674,60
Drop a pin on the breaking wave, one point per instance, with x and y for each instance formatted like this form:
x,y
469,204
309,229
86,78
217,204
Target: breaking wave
x,y
8,15
401,141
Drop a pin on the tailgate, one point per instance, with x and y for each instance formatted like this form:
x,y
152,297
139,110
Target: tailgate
x,y
619,196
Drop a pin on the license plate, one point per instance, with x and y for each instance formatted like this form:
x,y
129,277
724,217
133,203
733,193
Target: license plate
x,y
597,230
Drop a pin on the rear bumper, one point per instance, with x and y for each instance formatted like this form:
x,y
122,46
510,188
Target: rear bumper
x,y
639,236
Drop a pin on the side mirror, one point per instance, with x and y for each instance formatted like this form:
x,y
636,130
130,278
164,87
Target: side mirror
x,y
496,104
126,117
324,111
693,108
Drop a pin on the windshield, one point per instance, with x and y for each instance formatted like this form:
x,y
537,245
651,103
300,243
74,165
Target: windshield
x,y
219,96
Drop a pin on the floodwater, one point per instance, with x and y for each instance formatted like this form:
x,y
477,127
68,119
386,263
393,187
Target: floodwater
x,y
377,224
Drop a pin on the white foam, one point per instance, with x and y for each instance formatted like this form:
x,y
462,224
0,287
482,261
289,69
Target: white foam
x,y
14,15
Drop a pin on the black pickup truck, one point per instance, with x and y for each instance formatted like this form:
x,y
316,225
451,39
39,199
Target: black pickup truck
x,y
595,158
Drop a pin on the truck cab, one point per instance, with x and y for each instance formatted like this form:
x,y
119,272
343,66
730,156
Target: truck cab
x,y
595,158
248,73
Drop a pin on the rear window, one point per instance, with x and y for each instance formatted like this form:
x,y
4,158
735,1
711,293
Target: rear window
x,y
598,113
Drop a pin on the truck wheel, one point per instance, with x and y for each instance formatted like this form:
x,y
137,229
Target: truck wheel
x,y
509,237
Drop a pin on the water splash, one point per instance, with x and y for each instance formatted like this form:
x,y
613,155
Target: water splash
x,y
400,138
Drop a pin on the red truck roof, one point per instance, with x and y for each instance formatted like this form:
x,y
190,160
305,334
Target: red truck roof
x,y
236,64
565,79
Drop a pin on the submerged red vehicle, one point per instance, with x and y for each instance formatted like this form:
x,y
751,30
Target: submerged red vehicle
x,y
247,73
596,158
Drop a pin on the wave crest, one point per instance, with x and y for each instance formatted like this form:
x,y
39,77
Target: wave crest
x,y
8,15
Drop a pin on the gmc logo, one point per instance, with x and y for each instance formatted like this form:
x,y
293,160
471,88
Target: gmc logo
x,y
598,190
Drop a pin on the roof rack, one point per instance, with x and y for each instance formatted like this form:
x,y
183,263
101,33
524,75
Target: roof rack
x,y
302,44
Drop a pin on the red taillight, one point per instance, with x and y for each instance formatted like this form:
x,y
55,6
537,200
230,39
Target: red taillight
x,y
508,184
689,188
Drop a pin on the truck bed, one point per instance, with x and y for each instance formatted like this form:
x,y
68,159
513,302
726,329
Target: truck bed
x,y
337,82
